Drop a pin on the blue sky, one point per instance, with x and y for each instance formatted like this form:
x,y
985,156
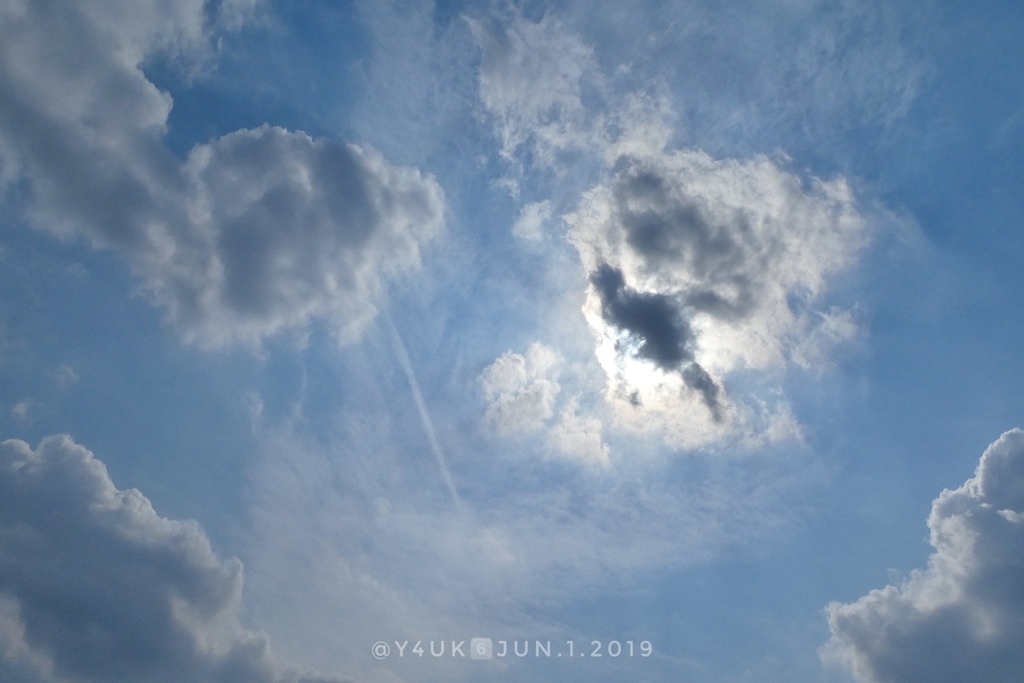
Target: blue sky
x,y
325,324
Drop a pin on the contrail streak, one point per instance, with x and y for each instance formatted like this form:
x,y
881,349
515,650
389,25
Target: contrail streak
x,y
417,395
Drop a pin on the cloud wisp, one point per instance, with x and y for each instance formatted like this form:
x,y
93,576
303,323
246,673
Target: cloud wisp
x,y
421,407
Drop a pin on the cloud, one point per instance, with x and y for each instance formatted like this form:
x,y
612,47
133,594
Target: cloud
x,y
258,231
95,586
703,267
657,327
531,221
533,77
286,228
66,376
744,247
521,393
520,390
22,410
699,268
578,437
381,554
961,618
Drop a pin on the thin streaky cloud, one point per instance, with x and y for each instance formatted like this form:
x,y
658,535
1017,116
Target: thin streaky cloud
x,y
405,363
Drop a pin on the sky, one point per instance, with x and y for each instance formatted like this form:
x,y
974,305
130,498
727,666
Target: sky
x,y
683,333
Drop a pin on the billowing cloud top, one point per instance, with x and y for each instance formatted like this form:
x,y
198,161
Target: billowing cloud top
x,y
285,228
95,586
258,231
962,618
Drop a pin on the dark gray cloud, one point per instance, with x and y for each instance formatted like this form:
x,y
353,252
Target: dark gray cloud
x,y
733,244
653,319
670,230
657,325
96,587
258,231
285,228
962,618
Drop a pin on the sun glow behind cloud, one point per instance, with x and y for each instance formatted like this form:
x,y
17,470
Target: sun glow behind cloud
x,y
542,330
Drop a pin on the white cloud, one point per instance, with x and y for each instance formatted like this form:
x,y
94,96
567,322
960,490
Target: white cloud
x,y
22,410
520,390
96,587
578,437
827,331
961,618
258,231
733,241
531,221
66,376
533,77
381,554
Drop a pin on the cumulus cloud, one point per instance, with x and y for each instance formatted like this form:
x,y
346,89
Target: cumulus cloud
x,y
698,268
961,618
703,267
258,231
95,586
578,437
742,246
285,228
520,390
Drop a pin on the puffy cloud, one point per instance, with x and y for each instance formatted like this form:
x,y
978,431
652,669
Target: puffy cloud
x,y
578,437
95,586
520,390
701,267
258,231
744,247
961,618
285,228
698,268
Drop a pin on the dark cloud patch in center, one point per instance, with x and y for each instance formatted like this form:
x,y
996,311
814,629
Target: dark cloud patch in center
x,y
669,229
662,333
652,318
